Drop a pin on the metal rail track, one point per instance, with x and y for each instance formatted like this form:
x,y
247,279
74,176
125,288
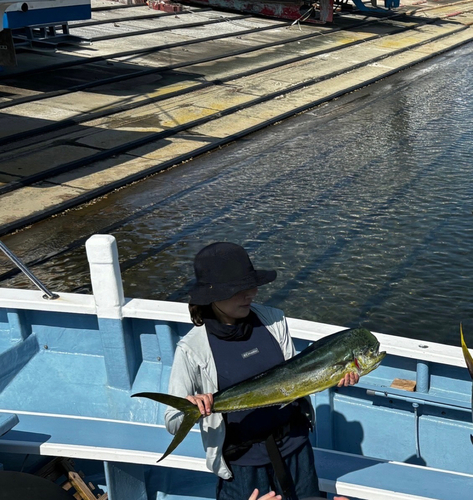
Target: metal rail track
x,y
111,152
136,52
65,127
62,124
223,212
143,212
16,79
121,20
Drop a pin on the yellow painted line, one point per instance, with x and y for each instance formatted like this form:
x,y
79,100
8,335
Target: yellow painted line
x,y
127,126
271,110
286,51
174,87
63,107
271,81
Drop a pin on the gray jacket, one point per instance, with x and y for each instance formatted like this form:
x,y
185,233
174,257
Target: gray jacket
x,y
194,372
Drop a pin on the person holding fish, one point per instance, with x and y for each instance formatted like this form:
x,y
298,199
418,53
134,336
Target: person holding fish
x,y
260,446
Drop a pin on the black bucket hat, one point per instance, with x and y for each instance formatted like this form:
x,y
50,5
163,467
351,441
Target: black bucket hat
x,y
222,270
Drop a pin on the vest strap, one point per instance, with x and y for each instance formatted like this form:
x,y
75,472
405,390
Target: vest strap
x,y
281,469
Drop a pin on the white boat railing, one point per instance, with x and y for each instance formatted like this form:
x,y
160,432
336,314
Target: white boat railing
x,y
108,302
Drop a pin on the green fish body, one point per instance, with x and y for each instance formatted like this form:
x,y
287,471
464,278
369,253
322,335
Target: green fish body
x,y
320,366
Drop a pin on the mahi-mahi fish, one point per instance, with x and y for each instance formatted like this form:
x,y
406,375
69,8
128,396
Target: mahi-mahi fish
x,y
469,364
320,366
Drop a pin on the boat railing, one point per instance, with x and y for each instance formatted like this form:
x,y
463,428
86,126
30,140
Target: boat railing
x,y
36,281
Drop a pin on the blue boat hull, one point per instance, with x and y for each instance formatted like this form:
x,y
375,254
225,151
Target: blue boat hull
x,y
68,368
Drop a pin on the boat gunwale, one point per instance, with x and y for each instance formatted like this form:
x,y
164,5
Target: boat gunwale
x,y
177,312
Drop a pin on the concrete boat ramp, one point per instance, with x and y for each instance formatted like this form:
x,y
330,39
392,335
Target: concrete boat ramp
x,y
148,90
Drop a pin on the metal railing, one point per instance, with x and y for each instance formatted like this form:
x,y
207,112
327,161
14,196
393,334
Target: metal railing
x,y
47,293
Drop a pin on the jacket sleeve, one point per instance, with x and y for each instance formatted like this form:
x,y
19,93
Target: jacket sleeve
x,y
184,380
287,345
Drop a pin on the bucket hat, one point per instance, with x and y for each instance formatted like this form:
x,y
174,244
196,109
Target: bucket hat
x,y
222,270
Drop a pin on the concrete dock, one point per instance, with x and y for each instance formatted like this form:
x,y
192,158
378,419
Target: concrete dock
x,y
190,89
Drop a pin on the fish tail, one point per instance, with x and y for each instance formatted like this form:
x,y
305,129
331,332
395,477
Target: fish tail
x,y
466,353
191,415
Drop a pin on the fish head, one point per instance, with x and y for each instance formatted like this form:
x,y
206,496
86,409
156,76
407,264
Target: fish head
x,y
366,355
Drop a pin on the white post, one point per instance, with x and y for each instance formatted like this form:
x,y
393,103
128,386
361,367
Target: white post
x,y
102,254
117,336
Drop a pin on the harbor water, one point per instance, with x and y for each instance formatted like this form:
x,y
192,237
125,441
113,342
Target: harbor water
x,y
364,206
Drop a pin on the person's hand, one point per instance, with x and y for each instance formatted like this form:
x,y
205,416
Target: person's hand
x,y
204,402
349,379
340,498
271,494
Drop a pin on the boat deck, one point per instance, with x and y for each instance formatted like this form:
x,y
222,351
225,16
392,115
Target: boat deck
x,y
124,443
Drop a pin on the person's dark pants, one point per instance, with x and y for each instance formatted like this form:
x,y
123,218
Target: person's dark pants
x,y
246,479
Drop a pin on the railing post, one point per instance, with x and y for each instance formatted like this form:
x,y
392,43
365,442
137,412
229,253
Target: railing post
x,y
422,377
19,331
107,287
167,340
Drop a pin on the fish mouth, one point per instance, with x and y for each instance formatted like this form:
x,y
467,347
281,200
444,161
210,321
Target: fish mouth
x,y
369,361
379,355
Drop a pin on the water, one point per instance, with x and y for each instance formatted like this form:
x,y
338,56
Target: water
x,y
363,206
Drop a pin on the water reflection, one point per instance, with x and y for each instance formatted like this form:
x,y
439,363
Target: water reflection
x,y
364,207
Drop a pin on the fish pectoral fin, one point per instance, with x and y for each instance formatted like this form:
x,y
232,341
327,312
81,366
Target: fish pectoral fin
x,y
286,404
339,366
